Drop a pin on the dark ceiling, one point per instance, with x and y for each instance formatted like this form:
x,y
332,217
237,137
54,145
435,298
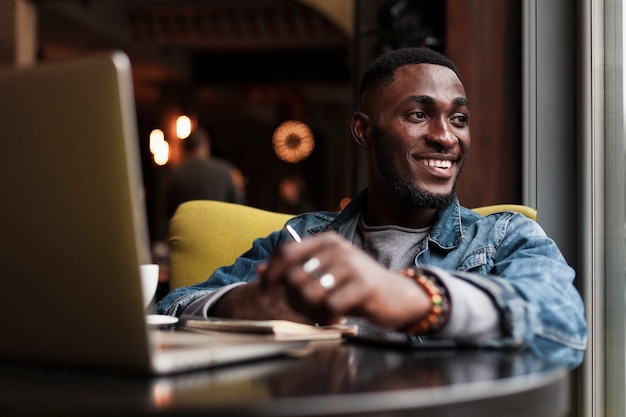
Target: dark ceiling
x,y
201,41
242,66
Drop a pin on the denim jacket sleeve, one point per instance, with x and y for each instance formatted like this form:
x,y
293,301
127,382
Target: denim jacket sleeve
x,y
243,270
510,257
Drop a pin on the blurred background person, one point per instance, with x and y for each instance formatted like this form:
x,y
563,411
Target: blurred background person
x,y
199,176
292,196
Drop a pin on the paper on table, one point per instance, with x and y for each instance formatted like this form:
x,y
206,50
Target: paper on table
x,y
281,329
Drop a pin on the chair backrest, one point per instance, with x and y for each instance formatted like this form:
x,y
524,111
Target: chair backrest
x,y
527,211
205,235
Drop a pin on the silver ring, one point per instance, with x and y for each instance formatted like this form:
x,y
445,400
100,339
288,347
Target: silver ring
x,y
328,281
311,266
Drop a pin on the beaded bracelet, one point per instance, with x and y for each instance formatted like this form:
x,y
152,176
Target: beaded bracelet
x,y
437,315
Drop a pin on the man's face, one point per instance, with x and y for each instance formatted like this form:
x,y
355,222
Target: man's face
x,y
421,138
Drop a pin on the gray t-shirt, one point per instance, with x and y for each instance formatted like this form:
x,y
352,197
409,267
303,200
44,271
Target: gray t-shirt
x,y
394,247
473,316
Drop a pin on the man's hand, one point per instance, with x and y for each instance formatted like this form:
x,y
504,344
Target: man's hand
x,y
362,287
250,302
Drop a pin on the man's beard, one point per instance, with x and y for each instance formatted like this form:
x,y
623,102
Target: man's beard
x,y
405,190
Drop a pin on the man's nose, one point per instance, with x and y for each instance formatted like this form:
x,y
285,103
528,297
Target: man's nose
x,y
441,134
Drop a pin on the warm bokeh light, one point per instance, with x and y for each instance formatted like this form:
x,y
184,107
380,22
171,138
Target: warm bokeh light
x,y
183,127
344,202
293,141
159,147
162,153
156,137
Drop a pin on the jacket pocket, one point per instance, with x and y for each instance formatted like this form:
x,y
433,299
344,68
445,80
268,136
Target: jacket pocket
x,y
479,261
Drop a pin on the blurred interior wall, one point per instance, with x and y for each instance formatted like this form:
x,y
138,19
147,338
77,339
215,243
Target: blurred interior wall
x,y
18,32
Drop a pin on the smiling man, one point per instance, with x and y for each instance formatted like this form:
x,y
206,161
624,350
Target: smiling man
x,y
404,258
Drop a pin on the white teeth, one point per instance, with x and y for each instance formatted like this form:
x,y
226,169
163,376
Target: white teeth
x,y
437,163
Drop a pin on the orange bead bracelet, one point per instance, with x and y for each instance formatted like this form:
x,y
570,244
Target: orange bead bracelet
x,y
437,315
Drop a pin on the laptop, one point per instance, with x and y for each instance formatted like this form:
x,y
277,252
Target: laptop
x,y
74,228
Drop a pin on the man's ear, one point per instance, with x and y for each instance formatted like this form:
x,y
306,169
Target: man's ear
x,y
360,128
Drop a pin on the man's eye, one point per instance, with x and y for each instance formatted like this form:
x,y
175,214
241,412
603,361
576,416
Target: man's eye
x,y
460,119
419,114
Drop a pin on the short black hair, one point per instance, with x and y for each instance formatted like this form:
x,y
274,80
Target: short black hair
x,y
382,70
196,139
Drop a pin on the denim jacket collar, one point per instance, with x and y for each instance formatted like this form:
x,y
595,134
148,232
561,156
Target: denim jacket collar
x,y
446,233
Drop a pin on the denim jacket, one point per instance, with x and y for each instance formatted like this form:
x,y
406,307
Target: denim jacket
x,y
505,254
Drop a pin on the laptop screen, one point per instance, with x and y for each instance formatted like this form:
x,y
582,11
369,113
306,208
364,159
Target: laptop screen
x,y
73,217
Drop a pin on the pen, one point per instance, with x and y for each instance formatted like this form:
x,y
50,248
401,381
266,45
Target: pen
x,y
293,233
312,265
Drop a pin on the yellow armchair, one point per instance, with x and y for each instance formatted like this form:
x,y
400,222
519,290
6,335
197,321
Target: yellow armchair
x,y
205,235
529,212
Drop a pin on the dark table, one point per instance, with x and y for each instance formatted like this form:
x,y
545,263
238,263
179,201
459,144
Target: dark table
x,y
335,379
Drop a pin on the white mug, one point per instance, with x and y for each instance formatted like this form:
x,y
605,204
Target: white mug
x,y
149,282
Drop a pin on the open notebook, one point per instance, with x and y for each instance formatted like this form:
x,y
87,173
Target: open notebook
x,y
74,229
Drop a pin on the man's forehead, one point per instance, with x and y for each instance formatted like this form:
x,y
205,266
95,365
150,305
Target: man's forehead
x,y
437,81
429,70
429,79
